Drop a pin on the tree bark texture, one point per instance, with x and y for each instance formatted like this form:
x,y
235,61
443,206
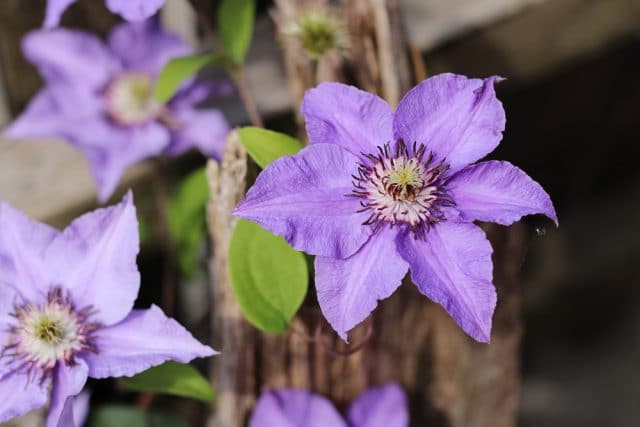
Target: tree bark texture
x,y
451,380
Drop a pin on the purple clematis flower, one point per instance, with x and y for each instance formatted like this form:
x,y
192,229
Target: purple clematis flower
x,y
384,406
379,193
66,302
131,10
100,98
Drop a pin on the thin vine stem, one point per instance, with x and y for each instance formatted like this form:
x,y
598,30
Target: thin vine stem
x,y
318,338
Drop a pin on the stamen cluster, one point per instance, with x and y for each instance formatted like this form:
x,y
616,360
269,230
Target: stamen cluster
x,y
402,187
48,333
130,99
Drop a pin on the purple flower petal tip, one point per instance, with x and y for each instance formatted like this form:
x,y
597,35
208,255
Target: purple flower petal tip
x,y
54,11
497,191
135,10
290,407
384,406
349,289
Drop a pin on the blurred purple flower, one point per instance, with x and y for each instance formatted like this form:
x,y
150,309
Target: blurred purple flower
x,y
379,193
384,406
131,10
100,98
66,314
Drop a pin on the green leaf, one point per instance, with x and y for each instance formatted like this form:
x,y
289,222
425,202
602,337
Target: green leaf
x,y
143,228
172,378
118,416
235,27
187,220
178,70
131,416
159,419
264,146
269,278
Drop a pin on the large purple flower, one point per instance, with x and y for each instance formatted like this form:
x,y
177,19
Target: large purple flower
x,y
131,10
66,313
384,406
379,193
100,98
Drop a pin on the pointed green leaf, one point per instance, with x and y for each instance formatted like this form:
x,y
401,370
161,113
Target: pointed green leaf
x,y
187,220
264,146
268,276
235,27
172,378
178,70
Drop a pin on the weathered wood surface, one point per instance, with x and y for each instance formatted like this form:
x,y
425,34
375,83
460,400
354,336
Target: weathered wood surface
x,y
233,371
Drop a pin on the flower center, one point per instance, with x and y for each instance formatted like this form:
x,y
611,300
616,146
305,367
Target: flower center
x,y
130,99
50,330
48,333
401,186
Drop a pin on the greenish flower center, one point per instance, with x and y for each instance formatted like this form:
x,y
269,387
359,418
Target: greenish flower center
x,y
130,99
405,181
47,333
48,330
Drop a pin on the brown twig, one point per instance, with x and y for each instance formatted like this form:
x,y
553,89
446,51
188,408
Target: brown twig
x,y
237,74
417,63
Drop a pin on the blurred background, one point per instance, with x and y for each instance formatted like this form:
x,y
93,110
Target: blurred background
x,y
572,98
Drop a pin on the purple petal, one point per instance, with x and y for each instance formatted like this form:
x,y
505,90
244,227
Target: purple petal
x,y
68,381
134,10
205,130
110,150
20,394
358,121
457,118
55,9
74,57
194,92
55,111
384,406
144,46
75,410
95,259
304,198
41,119
67,418
145,338
294,408
80,407
349,289
498,192
453,268
23,245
